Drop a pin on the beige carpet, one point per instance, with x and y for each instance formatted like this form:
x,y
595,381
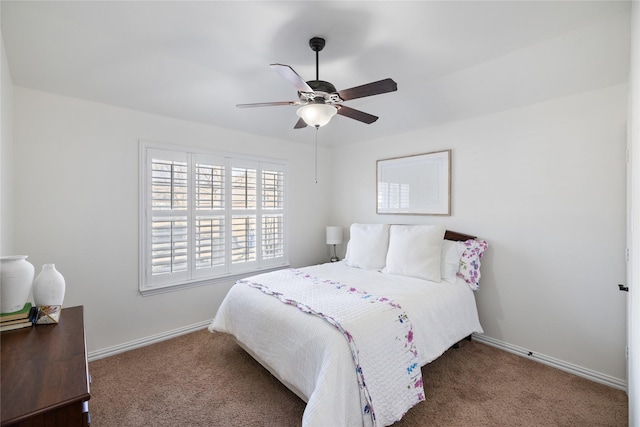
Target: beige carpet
x,y
204,379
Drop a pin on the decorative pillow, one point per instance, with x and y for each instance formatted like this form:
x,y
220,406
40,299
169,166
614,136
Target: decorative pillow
x,y
469,270
415,251
450,261
367,247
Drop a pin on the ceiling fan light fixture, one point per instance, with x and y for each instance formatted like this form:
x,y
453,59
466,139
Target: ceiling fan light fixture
x,y
317,115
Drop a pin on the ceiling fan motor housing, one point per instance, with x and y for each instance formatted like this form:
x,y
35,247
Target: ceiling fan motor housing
x,y
321,86
322,92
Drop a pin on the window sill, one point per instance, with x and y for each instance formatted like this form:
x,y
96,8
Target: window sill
x,y
206,282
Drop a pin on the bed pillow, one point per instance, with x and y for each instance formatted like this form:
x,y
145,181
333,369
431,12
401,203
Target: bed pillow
x,y
450,260
415,251
469,270
367,247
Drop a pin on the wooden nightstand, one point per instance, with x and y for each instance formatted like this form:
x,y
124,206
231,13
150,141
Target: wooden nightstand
x,y
44,377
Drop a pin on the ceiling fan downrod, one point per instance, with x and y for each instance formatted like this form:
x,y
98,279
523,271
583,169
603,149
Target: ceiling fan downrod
x,y
317,44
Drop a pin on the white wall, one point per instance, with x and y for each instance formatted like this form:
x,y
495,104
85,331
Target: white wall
x,y
76,192
6,157
633,235
545,186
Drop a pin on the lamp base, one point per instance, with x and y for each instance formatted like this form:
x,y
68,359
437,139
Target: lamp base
x,y
334,258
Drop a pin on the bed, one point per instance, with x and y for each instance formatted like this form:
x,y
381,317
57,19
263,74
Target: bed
x,y
349,337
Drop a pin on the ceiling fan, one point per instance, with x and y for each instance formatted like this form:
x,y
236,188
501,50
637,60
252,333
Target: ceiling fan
x,y
319,99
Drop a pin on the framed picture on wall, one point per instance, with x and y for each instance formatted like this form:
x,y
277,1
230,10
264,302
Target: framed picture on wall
x,y
415,185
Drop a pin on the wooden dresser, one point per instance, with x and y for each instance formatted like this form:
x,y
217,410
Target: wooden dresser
x,y
44,374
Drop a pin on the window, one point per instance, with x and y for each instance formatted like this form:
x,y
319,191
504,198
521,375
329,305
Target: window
x,y
208,216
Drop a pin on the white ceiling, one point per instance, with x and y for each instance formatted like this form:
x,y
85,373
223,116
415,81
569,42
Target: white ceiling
x,y
196,60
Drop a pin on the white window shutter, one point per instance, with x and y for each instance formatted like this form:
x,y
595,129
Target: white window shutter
x,y
206,216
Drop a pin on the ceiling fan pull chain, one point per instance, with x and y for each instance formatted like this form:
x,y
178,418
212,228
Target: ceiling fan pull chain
x,y
317,128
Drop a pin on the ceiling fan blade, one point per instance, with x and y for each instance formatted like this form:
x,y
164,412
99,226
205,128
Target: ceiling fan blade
x,y
292,77
369,89
300,124
268,104
352,113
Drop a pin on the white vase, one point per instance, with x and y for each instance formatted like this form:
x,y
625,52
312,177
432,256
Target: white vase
x,y
16,277
49,286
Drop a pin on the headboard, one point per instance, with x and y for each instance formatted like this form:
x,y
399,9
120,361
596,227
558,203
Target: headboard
x,y
454,235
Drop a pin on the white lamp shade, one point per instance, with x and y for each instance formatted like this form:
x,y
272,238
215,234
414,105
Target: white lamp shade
x,y
316,115
334,235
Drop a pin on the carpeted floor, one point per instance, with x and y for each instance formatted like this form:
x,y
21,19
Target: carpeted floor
x,y
203,379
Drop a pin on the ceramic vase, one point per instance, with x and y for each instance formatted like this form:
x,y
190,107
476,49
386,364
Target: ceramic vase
x,y
49,286
16,277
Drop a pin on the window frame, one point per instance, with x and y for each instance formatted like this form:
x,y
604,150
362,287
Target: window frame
x,y
230,272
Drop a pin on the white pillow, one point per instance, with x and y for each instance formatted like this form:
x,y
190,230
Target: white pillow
x,y
367,246
415,251
450,260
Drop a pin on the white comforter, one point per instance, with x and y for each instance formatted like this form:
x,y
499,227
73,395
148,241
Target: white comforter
x,y
313,359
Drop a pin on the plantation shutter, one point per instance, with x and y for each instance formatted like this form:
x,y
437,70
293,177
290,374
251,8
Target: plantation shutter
x,y
273,235
244,203
210,215
205,216
169,203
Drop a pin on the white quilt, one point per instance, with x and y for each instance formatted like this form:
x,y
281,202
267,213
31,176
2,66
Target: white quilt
x,y
390,380
313,358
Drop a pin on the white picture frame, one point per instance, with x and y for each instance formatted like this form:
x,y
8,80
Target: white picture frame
x,y
414,185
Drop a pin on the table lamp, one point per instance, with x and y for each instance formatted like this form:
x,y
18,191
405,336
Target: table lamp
x,y
334,237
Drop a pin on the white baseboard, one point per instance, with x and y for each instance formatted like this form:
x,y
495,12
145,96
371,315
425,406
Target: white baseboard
x,y
547,360
121,348
553,362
